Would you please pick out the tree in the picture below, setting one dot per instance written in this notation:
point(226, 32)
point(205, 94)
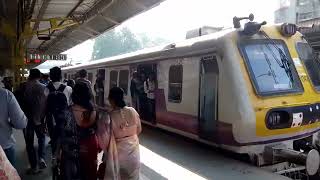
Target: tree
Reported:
point(115, 42)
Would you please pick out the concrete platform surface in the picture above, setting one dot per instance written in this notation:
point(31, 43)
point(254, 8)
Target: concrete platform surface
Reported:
point(168, 156)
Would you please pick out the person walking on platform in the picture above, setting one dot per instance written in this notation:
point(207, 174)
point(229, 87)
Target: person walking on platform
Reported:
point(118, 137)
point(11, 116)
point(71, 83)
point(35, 103)
point(56, 77)
point(83, 77)
point(58, 100)
point(78, 142)
point(45, 79)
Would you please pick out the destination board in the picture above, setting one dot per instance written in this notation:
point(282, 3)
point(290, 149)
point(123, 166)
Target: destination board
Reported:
point(45, 57)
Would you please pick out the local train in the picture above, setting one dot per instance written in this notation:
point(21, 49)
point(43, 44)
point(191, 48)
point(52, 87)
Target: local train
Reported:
point(252, 90)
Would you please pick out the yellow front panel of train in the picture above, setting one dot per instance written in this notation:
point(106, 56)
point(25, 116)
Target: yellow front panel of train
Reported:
point(263, 104)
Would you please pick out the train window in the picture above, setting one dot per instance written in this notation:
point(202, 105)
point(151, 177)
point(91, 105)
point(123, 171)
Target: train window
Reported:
point(123, 80)
point(175, 83)
point(270, 67)
point(311, 63)
point(113, 79)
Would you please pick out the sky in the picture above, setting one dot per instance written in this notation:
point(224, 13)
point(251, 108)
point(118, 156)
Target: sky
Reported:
point(173, 18)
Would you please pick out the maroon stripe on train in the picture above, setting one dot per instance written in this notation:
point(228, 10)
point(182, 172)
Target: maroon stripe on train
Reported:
point(183, 122)
point(189, 123)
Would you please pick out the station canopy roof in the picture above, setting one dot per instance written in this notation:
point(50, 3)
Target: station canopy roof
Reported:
point(95, 17)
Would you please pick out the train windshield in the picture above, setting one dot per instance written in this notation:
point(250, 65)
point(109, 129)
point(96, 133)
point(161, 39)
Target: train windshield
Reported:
point(311, 63)
point(271, 67)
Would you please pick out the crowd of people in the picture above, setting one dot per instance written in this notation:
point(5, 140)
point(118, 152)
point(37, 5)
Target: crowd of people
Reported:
point(78, 127)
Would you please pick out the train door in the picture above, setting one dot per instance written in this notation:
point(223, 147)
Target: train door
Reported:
point(119, 77)
point(208, 96)
point(147, 101)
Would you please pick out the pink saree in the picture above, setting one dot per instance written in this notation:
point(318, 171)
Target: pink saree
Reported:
point(121, 144)
point(7, 171)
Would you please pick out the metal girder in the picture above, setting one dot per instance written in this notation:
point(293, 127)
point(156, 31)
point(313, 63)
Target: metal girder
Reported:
point(85, 32)
point(55, 40)
point(92, 30)
point(108, 19)
point(40, 15)
point(86, 18)
point(55, 25)
point(99, 7)
point(73, 39)
point(68, 15)
point(29, 11)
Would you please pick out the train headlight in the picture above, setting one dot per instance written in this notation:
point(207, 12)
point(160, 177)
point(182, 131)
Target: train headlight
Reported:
point(278, 120)
point(288, 29)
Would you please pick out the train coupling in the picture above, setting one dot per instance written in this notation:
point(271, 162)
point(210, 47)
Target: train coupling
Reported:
point(310, 159)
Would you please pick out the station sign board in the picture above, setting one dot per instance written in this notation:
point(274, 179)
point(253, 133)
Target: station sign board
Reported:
point(39, 58)
point(45, 57)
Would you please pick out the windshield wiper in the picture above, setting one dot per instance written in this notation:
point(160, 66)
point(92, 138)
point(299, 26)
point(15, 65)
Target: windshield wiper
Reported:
point(269, 65)
point(285, 63)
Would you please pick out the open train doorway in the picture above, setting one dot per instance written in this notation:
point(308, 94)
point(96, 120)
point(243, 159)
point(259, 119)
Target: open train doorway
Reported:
point(144, 84)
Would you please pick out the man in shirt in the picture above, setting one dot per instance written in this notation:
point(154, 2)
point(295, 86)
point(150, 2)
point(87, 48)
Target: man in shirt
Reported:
point(11, 116)
point(56, 81)
point(56, 77)
point(34, 107)
point(83, 77)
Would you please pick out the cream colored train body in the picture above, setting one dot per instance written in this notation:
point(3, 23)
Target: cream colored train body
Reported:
point(248, 93)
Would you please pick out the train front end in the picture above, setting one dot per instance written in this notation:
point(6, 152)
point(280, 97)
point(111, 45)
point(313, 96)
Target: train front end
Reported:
point(283, 77)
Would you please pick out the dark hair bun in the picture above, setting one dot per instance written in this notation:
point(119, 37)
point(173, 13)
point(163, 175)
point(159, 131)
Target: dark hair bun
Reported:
point(116, 94)
point(81, 95)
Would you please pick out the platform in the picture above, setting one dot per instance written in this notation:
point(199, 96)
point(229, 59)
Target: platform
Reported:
point(168, 156)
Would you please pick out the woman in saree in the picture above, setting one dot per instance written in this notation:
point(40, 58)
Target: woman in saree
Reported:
point(118, 137)
point(79, 143)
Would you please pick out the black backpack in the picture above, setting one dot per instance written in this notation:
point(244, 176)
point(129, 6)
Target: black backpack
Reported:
point(57, 102)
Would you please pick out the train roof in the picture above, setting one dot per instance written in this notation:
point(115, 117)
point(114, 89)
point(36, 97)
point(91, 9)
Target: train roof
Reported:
point(198, 45)
point(190, 47)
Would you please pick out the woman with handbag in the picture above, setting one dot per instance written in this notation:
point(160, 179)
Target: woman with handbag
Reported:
point(118, 137)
